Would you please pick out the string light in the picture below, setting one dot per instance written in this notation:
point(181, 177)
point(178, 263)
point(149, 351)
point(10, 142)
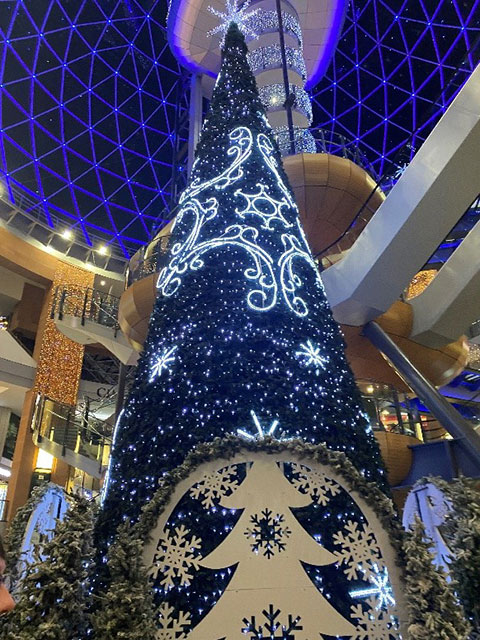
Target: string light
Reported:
point(59, 363)
point(273, 98)
point(234, 13)
point(271, 56)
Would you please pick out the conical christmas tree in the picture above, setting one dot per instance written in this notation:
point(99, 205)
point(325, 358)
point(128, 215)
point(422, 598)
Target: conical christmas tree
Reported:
point(241, 326)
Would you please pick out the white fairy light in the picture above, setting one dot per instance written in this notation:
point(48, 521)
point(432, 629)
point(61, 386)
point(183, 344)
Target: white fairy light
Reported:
point(381, 589)
point(311, 355)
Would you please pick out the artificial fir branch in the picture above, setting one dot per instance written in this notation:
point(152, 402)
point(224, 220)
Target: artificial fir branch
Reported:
point(434, 611)
point(16, 533)
point(126, 610)
point(462, 531)
point(54, 600)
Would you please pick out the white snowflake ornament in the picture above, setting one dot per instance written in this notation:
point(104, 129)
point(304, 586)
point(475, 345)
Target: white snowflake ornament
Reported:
point(359, 550)
point(315, 484)
point(176, 557)
point(215, 486)
point(172, 626)
point(310, 354)
point(234, 13)
point(162, 363)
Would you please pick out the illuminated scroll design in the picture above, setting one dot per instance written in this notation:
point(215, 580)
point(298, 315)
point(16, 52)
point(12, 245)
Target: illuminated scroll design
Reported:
point(169, 278)
point(289, 280)
point(262, 298)
point(263, 205)
point(241, 150)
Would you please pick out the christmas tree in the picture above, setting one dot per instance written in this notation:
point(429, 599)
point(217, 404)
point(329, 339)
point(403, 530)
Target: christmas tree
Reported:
point(126, 610)
point(434, 611)
point(54, 598)
point(269, 546)
point(241, 338)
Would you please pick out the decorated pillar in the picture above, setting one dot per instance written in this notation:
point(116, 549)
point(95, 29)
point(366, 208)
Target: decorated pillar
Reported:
point(59, 365)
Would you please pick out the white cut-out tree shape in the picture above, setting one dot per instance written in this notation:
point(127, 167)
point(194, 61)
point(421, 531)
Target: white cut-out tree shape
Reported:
point(277, 580)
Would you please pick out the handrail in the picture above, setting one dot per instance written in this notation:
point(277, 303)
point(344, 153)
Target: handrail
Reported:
point(144, 265)
point(89, 304)
point(446, 415)
point(78, 432)
point(18, 196)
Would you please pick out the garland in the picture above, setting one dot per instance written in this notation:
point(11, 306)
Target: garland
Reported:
point(231, 445)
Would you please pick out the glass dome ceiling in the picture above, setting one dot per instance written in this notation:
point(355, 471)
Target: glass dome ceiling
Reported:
point(92, 100)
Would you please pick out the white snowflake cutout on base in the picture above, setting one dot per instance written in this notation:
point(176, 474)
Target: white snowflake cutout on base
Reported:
point(315, 484)
point(177, 555)
point(215, 486)
point(360, 550)
point(173, 626)
point(374, 624)
point(268, 533)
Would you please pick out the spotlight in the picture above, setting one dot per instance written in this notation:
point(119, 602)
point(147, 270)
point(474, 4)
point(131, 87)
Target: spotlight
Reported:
point(102, 283)
point(67, 234)
point(102, 250)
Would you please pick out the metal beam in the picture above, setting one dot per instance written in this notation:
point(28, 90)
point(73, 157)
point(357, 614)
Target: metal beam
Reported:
point(443, 411)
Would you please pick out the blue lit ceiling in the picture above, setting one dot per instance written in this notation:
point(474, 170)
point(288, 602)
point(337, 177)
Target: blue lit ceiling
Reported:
point(88, 94)
point(89, 88)
point(394, 73)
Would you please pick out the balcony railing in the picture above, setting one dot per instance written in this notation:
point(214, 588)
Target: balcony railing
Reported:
point(89, 304)
point(68, 433)
point(150, 259)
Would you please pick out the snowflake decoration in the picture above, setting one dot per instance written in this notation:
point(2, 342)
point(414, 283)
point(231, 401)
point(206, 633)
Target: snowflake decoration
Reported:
point(234, 13)
point(176, 556)
point(172, 627)
point(215, 486)
point(314, 483)
point(381, 589)
point(373, 624)
point(310, 353)
point(400, 171)
point(272, 628)
point(162, 363)
point(268, 534)
point(260, 432)
point(360, 551)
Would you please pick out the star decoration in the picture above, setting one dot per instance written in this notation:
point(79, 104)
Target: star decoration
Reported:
point(162, 363)
point(260, 431)
point(380, 589)
point(234, 13)
point(311, 355)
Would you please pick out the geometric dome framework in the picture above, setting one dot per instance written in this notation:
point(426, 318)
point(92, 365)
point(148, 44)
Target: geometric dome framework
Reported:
point(88, 111)
point(91, 99)
point(394, 73)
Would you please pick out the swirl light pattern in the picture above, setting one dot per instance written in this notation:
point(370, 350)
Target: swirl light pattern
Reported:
point(270, 276)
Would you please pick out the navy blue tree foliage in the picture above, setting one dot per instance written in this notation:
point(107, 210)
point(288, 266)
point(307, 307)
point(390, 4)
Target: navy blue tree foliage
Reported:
point(241, 337)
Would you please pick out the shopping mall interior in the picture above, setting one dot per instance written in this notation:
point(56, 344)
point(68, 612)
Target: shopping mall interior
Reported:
point(375, 105)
